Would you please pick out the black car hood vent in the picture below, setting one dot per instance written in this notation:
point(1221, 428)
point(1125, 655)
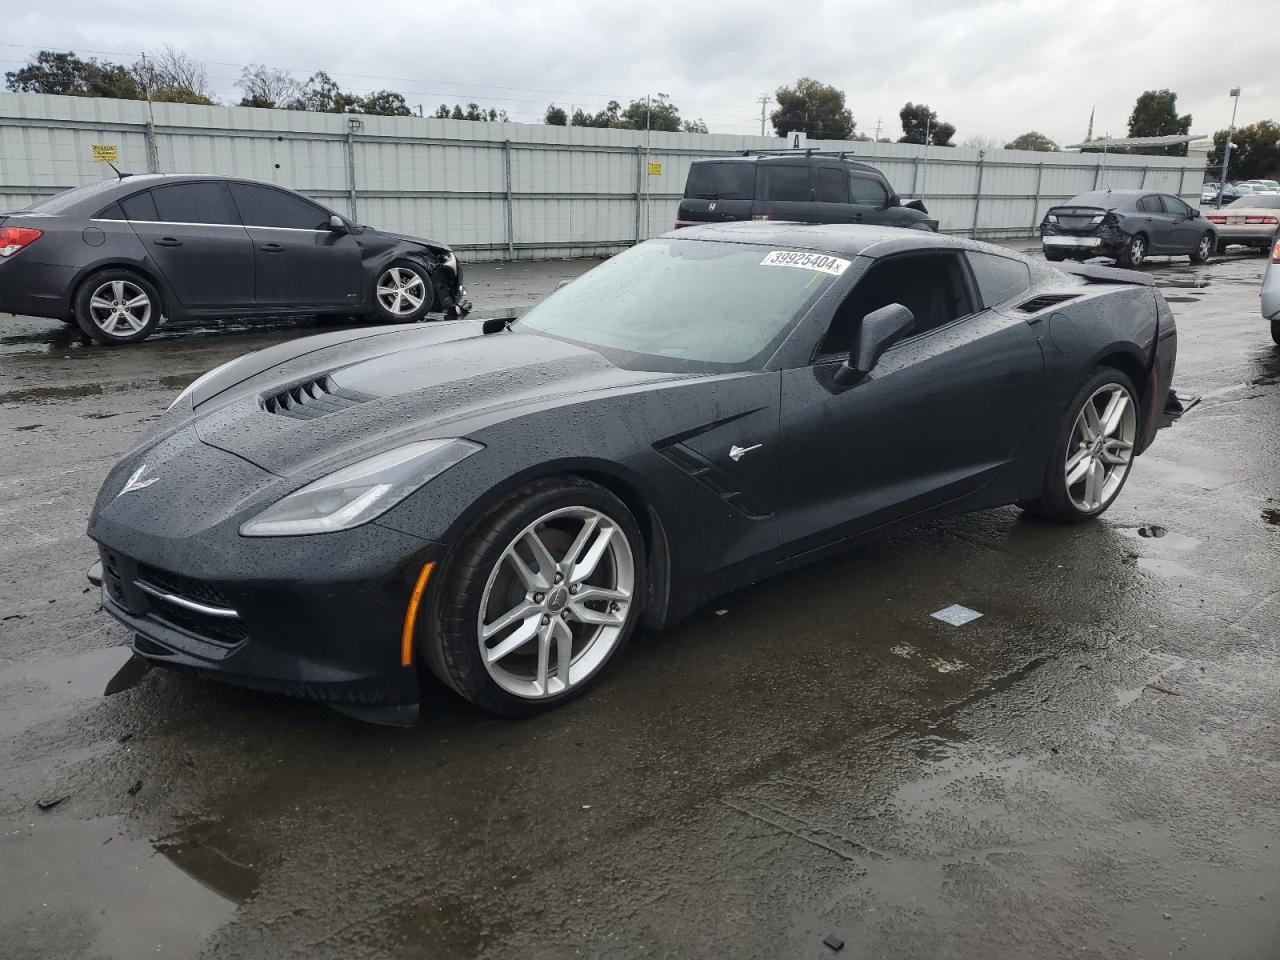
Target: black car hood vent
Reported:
point(1045, 301)
point(314, 398)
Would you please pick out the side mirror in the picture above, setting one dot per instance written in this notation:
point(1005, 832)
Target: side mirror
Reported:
point(881, 329)
point(337, 224)
point(894, 201)
point(1195, 214)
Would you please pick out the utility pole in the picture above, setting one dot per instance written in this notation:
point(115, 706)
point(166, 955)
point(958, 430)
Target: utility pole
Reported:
point(877, 137)
point(153, 155)
point(924, 176)
point(1226, 153)
point(764, 103)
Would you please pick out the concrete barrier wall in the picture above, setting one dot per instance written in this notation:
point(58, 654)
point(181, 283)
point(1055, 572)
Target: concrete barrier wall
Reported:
point(510, 190)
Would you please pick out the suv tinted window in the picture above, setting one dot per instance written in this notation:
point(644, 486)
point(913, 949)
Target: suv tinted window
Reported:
point(868, 190)
point(786, 182)
point(206, 202)
point(721, 181)
point(833, 185)
point(140, 206)
point(266, 207)
point(1175, 206)
point(999, 278)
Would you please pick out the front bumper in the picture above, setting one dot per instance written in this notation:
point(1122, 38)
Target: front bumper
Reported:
point(329, 632)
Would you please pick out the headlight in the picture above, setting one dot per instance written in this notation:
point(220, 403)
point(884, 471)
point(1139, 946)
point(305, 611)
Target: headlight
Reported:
point(203, 378)
point(358, 493)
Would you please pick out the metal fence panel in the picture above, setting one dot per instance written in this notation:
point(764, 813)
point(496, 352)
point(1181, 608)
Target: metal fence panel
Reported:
point(497, 190)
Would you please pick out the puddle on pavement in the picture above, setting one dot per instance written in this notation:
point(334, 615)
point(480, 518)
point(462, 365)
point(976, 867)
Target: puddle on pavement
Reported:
point(39, 395)
point(33, 693)
point(84, 888)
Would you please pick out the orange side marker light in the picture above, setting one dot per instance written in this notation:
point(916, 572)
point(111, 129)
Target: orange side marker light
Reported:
point(411, 614)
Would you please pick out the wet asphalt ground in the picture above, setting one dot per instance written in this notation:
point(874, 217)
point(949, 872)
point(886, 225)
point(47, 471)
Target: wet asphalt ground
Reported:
point(1091, 769)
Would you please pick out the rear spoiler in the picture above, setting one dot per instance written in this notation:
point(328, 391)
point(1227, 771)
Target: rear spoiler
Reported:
point(1093, 273)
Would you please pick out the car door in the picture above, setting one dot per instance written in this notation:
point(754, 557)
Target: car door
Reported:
point(300, 261)
point(870, 198)
point(938, 417)
point(1155, 222)
point(1184, 231)
point(193, 234)
point(831, 185)
point(784, 191)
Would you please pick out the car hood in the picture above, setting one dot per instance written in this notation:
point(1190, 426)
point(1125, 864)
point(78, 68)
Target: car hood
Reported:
point(405, 238)
point(338, 404)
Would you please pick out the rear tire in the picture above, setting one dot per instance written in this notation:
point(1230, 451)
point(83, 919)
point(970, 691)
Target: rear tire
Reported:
point(1085, 443)
point(1134, 252)
point(1204, 249)
point(1054, 256)
point(555, 594)
point(117, 306)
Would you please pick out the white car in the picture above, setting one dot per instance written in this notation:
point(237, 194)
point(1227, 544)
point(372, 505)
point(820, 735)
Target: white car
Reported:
point(1271, 292)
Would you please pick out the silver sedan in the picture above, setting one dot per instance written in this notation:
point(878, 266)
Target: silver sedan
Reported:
point(1271, 292)
point(1252, 221)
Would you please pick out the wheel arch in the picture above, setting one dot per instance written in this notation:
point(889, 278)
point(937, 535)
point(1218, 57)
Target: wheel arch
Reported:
point(151, 276)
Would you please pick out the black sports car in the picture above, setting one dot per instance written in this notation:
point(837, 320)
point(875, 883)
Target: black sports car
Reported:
point(502, 503)
point(116, 255)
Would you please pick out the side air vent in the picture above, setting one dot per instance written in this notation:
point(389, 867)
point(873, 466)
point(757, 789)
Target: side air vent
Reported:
point(315, 398)
point(1045, 301)
point(718, 481)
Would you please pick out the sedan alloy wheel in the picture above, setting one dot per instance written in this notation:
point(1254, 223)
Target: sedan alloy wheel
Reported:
point(401, 291)
point(120, 308)
point(1099, 459)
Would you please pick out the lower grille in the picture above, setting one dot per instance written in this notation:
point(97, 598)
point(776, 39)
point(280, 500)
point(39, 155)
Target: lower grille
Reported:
point(173, 600)
point(185, 587)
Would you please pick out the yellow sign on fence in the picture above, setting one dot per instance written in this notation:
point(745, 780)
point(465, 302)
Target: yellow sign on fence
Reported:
point(655, 169)
point(105, 153)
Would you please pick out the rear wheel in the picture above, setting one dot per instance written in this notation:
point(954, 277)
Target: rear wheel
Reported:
point(117, 306)
point(1204, 249)
point(1054, 256)
point(541, 594)
point(1134, 252)
point(1093, 450)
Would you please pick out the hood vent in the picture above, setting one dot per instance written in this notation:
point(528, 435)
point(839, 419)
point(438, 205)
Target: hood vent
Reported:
point(314, 398)
point(1045, 301)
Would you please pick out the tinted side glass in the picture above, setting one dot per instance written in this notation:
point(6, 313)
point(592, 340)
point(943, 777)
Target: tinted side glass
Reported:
point(721, 181)
point(140, 206)
point(1175, 206)
point(195, 203)
point(1150, 205)
point(112, 212)
point(999, 278)
point(868, 190)
point(265, 207)
point(787, 182)
point(833, 185)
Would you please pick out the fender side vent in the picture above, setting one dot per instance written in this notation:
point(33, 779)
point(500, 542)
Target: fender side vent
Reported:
point(314, 398)
point(718, 481)
point(1045, 301)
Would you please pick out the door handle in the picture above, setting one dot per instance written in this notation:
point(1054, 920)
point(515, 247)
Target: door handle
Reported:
point(168, 242)
point(270, 247)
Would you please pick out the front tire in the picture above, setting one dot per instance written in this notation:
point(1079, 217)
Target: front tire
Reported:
point(1093, 450)
point(402, 293)
point(540, 595)
point(1204, 249)
point(117, 306)
point(1134, 252)
point(1275, 331)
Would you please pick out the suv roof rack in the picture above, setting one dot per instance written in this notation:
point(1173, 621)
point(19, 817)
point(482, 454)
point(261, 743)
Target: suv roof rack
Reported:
point(806, 151)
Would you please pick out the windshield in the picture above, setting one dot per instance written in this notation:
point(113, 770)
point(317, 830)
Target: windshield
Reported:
point(63, 201)
point(687, 305)
point(1264, 200)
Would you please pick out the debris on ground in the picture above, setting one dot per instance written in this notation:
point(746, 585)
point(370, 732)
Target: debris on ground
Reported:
point(956, 615)
point(1152, 531)
point(1159, 689)
point(133, 791)
point(50, 804)
point(834, 942)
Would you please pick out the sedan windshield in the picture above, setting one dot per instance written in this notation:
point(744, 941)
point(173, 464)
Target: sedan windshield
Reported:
point(687, 305)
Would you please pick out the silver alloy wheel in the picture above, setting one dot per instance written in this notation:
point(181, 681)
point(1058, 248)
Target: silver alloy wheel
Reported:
point(1137, 251)
point(565, 582)
point(120, 308)
point(1206, 247)
point(1100, 450)
point(401, 291)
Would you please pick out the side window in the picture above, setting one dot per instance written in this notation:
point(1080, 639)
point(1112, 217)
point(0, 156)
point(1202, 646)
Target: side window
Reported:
point(112, 212)
point(833, 185)
point(203, 202)
point(787, 182)
point(867, 190)
point(1175, 206)
point(930, 285)
point(999, 278)
point(1150, 204)
point(267, 207)
point(140, 207)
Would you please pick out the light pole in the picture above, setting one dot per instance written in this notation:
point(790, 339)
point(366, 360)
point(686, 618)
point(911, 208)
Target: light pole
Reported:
point(1226, 153)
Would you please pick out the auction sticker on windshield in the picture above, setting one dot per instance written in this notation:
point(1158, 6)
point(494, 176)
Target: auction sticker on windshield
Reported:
point(807, 261)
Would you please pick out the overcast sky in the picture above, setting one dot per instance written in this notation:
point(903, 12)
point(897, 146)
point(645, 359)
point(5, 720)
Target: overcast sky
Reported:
point(994, 69)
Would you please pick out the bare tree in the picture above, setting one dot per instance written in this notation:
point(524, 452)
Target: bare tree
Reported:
point(980, 141)
point(171, 69)
point(265, 86)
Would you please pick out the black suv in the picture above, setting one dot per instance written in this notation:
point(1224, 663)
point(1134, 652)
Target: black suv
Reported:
point(806, 187)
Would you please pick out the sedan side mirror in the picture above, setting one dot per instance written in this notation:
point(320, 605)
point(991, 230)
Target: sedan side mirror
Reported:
point(337, 224)
point(1195, 214)
point(881, 329)
point(894, 200)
